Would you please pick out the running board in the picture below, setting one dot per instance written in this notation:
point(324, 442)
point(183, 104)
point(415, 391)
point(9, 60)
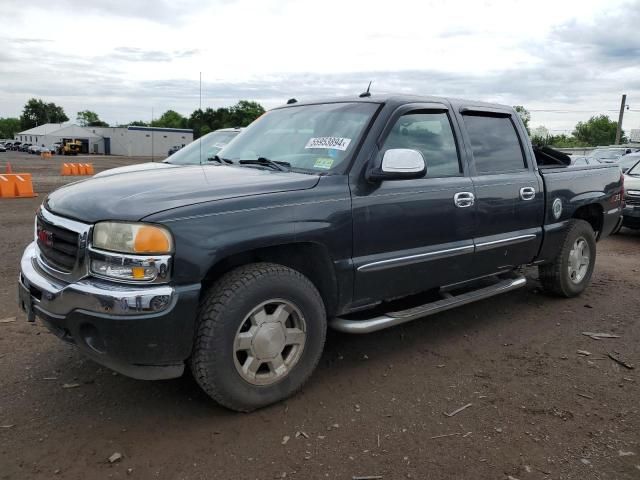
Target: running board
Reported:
point(392, 319)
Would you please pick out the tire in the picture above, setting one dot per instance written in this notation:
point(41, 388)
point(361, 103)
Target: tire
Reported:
point(562, 276)
point(227, 373)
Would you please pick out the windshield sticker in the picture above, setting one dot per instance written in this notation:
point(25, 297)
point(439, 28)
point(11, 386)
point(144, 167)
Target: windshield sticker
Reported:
point(323, 162)
point(220, 145)
point(337, 143)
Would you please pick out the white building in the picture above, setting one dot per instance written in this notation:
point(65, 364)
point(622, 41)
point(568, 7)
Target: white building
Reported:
point(634, 135)
point(127, 141)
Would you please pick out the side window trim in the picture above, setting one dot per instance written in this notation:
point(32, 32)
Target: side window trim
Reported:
point(435, 108)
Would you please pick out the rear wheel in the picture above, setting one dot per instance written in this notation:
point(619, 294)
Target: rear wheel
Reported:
point(261, 333)
point(570, 272)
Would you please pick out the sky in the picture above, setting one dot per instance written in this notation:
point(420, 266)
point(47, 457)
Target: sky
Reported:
point(563, 60)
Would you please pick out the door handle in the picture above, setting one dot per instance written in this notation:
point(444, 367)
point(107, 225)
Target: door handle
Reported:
point(464, 199)
point(527, 193)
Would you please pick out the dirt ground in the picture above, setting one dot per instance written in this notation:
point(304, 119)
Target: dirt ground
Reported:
point(540, 407)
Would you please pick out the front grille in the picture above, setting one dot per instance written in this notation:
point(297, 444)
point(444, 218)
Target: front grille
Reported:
point(632, 200)
point(58, 246)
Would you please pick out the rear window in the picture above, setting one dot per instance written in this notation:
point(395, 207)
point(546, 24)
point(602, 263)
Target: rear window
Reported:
point(494, 143)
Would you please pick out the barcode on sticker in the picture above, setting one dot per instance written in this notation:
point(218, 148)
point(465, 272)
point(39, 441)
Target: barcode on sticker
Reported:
point(337, 143)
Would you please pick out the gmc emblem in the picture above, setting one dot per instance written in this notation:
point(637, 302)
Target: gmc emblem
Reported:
point(45, 238)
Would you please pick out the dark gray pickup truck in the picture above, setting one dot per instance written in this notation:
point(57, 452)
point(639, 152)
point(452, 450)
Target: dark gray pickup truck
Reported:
point(359, 213)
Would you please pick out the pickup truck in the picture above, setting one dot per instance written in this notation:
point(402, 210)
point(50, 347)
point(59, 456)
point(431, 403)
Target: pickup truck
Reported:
point(355, 213)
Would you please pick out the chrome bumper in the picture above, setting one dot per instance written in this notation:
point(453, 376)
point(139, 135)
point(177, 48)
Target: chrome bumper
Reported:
point(56, 298)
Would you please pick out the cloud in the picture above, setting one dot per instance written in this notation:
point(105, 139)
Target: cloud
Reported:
point(133, 54)
point(161, 11)
point(610, 38)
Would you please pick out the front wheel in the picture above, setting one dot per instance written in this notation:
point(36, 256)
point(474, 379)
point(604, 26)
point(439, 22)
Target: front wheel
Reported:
point(261, 332)
point(570, 272)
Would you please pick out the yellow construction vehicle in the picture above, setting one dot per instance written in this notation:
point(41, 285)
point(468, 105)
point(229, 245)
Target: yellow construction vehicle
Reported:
point(71, 148)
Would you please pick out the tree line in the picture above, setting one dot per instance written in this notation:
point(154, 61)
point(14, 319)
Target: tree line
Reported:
point(598, 130)
point(37, 112)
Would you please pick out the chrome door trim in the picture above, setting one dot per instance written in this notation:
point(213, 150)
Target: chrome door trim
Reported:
point(411, 259)
point(464, 199)
point(480, 247)
point(527, 193)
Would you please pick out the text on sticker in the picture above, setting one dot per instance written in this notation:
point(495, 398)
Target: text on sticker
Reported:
point(337, 143)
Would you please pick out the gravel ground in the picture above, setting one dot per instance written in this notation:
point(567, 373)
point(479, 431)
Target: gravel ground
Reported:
point(545, 401)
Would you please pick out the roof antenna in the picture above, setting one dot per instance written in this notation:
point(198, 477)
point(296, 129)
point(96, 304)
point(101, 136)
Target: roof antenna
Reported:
point(367, 93)
point(291, 100)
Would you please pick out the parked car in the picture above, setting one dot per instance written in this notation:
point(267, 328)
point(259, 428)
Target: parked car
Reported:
point(200, 151)
point(2, 148)
point(15, 145)
point(609, 154)
point(35, 149)
point(631, 212)
point(629, 160)
point(24, 147)
point(318, 214)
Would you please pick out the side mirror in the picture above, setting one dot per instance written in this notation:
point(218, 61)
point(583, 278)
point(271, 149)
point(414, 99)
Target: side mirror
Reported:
point(400, 164)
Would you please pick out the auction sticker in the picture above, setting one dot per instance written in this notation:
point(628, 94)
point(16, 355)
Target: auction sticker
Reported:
point(323, 162)
point(337, 143)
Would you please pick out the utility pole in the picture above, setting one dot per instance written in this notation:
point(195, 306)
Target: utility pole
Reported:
point(619, 129)
point(151, 125)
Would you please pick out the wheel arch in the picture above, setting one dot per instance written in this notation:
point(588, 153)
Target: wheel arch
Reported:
point(592, 213)
point(309, 258)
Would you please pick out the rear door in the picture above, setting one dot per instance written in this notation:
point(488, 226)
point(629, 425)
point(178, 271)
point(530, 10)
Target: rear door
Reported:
point(509, 192)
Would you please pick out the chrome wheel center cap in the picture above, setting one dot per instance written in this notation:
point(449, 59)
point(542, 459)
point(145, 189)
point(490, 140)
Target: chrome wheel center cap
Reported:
point(269, 341)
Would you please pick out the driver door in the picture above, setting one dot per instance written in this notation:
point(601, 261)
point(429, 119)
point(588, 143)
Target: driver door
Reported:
point(411, 235)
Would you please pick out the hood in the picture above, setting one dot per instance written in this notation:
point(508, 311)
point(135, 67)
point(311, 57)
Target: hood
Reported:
point(135, 168)
point(138, 194)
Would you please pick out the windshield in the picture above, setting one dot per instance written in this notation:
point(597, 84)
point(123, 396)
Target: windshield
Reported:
point(606, 154)
point(203, 148)
point(636, 168)
point(311, 138)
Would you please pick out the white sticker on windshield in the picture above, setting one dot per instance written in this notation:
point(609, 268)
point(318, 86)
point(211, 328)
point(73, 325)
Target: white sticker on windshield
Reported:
point(337, 143)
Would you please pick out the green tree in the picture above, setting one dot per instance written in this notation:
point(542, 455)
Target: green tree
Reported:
point(524, 115)
point(36, 112)
point(598, 130)
point(239, 115)
point(170, 119)
point(244, 112)
point(9, 127)
point(136, 123)
point(87, 118)
point(564, 141)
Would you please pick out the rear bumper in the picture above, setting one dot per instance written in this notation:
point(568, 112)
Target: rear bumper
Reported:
point(143, 332)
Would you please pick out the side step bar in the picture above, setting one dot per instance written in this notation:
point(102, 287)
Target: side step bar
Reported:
point(392, 319)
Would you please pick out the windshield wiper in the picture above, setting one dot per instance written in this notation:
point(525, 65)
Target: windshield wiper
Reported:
point(220, 160)
point(275, 164)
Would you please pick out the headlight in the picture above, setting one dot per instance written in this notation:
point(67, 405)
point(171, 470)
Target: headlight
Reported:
point(132, 238)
